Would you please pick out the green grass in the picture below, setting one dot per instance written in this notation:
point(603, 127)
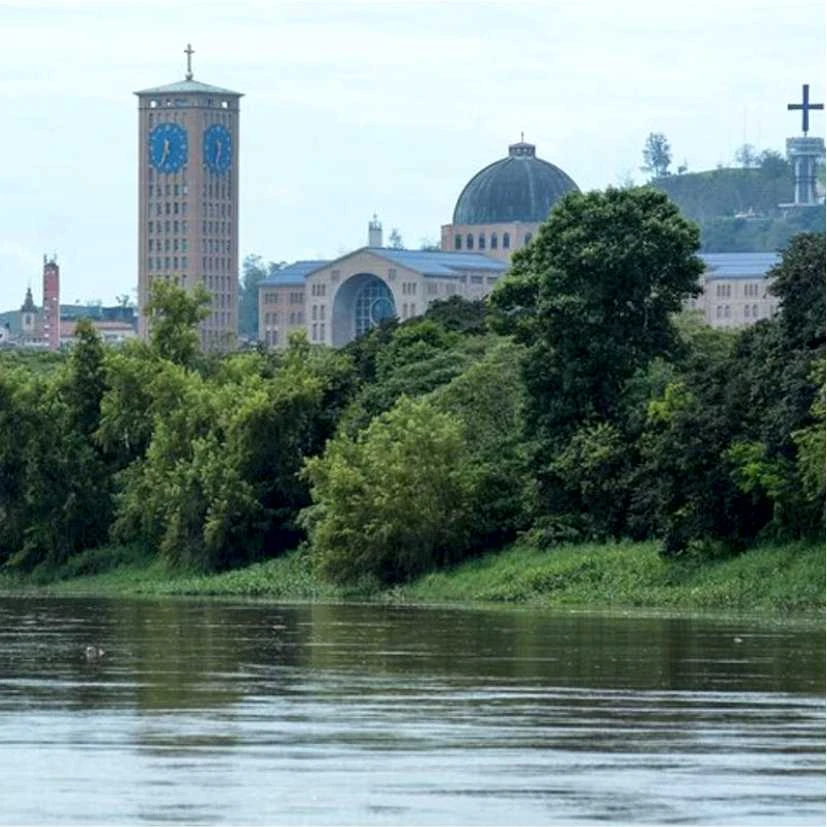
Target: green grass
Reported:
point(782, 578)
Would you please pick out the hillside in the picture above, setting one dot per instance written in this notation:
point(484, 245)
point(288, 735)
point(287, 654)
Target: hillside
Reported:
point(738, 209)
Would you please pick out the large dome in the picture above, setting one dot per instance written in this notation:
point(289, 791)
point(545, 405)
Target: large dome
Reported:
point(520, 187)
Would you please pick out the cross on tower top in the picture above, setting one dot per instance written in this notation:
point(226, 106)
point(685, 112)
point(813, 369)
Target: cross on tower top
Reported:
point(189, 52)
point(805, 106)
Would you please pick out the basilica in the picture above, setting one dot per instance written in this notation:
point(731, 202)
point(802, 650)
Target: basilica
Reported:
point(497, 213)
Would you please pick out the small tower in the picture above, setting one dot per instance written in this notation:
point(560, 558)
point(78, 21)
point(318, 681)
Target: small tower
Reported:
point(375, 232)
point(51, 302)
point(28, 317)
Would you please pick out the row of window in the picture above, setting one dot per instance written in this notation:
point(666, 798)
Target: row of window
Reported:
point(167, 226)
point(408, 310)
point(751, 311)
point(215, 245)
point(169, 245)
point(296, 297)
point(169, 208)
point(317, 312)
point(317, 332)
point(318, 289)
point(167, 190)
point(216, 282)
point(408, 288)
point(167, 263)
point(725, 291)
point(481, 241)
point(271, 298)
point(218, 264)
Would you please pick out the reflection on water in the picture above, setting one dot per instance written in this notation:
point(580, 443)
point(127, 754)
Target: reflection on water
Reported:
point(207, 712)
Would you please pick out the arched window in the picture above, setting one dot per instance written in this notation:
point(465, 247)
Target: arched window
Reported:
point(469, 241)
point(457, 242)
point(506, 241)
point(527, 237)
point(481, 244)
point(493, 241)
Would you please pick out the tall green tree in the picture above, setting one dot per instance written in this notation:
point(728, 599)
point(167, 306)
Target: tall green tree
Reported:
point(174, 314)
point(657, 155)
point(394, 501)
point(593, 298)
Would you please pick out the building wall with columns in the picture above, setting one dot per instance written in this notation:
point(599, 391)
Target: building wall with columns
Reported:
point(499, 241)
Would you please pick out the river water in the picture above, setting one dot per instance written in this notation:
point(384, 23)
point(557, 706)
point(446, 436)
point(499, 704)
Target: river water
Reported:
point(248, 713)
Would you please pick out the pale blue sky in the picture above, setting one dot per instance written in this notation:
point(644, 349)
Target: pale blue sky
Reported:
point(355, 108)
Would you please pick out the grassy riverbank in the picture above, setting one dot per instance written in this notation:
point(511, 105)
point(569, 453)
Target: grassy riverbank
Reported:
point(783, 578)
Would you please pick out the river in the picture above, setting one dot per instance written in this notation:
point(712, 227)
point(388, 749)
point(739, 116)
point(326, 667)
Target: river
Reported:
point(210, 712)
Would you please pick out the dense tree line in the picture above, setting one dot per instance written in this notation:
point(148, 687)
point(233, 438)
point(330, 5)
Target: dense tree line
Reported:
point(577, 403)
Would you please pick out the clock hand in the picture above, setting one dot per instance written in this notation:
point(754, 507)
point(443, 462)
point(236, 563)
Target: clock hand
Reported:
point(217, 152)
point(165, 152)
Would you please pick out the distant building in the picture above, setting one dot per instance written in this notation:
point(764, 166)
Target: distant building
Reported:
point(736, 289)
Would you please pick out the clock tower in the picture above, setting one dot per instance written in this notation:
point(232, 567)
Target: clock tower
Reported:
point(188, 198)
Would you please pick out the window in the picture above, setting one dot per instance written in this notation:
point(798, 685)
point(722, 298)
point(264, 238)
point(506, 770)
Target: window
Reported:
point(184, 264)
point(527, 238)
point(755, 311)
point(315, 334)
point(481, 244)
point(727, 311)
point(746, 311)
point(321, 314)
point(433, 289)
point(321, 331)
point(315, 313)
point(493, 241)
point(391, 273)
point(476, 279)
point(457, 242)
point(506, 241)
point(469, 241)
point(718, 312)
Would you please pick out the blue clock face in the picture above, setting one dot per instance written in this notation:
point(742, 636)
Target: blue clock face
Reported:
point(168, 147)
point(218, 149)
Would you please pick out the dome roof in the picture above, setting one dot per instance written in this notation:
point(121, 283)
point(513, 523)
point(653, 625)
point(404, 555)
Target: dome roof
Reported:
point(520, 187)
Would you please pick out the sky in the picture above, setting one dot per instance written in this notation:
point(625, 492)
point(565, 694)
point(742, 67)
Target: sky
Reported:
point(356, 108)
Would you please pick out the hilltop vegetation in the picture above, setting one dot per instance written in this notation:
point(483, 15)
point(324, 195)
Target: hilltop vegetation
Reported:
point(576, 405)
point(738, 209)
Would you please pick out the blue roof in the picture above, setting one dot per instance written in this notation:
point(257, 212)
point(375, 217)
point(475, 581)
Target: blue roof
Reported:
point(294, 273)
point(440, 262)
point(427, 262)
point(739, 265)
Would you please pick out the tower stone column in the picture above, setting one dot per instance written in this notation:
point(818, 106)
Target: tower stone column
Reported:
point(804, 155)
